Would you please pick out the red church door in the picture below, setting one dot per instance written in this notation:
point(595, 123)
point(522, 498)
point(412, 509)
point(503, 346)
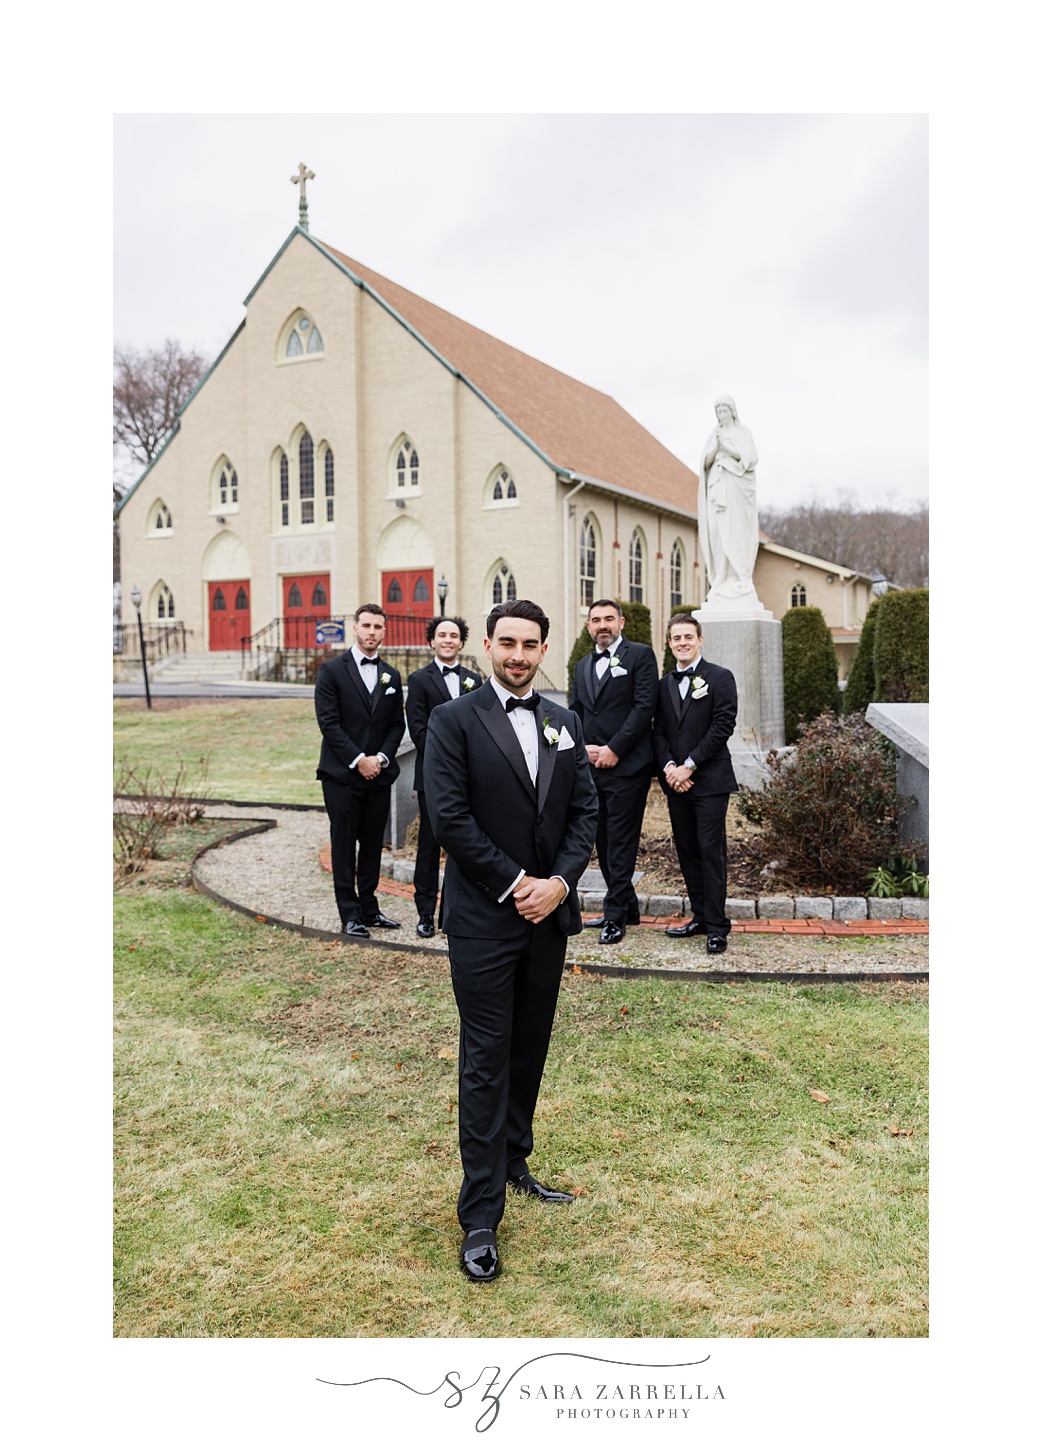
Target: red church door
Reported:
point(408, 598)
point(229, 613)
point(305, 600)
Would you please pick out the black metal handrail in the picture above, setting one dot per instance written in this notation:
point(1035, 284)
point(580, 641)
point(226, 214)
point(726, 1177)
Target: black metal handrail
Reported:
point(285, 648)
point(160, 640)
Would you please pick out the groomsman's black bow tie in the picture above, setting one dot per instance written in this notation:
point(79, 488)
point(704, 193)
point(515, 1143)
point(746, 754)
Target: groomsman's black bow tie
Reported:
point(532, 703)
point(450, 670)
point(684, 674)
point(369, 662)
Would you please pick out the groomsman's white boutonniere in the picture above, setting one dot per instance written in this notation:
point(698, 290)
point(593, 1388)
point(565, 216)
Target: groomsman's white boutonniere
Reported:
point(385, 679)
point(698, 688)
point(614, 663)
point(549, 733)
point(468, 684)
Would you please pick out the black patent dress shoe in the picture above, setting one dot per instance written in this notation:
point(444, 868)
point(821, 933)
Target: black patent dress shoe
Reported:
point(425, 927)
point(525, 1184)
point(354, 928)
point(611, 933)
point(479, 1256)
point(632, 920)
point(689, 929)
point(380, 921)
point(716, 943)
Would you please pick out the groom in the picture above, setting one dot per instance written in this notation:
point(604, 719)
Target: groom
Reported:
point(511, 800)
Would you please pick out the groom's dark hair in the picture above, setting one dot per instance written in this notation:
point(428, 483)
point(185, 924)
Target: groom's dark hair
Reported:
point(517, 610)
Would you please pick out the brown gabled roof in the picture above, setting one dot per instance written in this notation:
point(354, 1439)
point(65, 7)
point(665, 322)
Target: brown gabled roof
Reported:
point(576, 426)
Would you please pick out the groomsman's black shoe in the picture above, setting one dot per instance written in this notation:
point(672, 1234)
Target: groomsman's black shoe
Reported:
point(425, 927)
point(611, 933)
point(632, 920)
point(353, 928)
point(479, 1256)
point(689, 929)
point(525, 1184)
point(380, 921)
point(716, 943)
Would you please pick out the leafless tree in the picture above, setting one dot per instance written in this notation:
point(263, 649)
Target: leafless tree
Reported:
point(895, 541)
point(149, 388)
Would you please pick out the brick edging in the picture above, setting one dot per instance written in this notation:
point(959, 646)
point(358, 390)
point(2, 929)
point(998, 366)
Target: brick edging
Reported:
point(775, 909)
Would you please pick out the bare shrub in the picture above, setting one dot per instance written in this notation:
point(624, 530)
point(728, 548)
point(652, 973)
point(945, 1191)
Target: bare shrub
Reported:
point(828, 810)
point(146, 804)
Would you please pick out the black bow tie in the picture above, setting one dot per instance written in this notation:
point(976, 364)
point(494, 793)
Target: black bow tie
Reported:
point(532, 703)
point(450, 670)
point(684, 674)
point(369, 662)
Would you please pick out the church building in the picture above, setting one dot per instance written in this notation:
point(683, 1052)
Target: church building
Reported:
point(353, 443)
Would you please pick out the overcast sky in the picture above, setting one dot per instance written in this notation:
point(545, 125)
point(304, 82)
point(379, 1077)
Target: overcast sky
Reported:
point(662, 259)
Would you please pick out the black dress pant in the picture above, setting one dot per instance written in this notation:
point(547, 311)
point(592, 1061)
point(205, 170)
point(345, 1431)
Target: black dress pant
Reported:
point(357, 823)
point(428, 864)
point(507, 996)
point(621, 800)
point(699, 830)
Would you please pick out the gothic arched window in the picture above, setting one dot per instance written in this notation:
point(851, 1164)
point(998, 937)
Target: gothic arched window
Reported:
point(799, 595)
point(637, 567)
point(329, 486)
point(587, 563)
point(304, 337)
point(676, 575)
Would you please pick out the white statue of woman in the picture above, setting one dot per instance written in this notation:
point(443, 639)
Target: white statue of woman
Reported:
point(727, 508)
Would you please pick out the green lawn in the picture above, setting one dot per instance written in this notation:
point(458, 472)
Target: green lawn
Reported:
point(286, 1159)
point(258, 750)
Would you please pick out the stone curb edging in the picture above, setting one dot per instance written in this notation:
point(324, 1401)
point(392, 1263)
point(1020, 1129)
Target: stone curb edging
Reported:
point(838, 909)
point(586, 969)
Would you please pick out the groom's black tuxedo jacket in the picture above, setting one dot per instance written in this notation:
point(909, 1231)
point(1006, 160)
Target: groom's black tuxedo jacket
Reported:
point(699, 728)
point(617, 710)
point(354, 723)
point(494, 823)
point(427, 689)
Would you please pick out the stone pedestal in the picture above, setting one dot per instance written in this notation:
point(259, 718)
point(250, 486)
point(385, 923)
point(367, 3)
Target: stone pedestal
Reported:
point(908, 725)
point(751, 648)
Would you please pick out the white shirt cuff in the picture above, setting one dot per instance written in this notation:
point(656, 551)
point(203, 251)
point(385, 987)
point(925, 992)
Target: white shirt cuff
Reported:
point(509, 889)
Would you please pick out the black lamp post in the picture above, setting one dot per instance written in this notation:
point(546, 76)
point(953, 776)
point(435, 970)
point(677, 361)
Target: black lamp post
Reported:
point(443, 593)
point(135, 596)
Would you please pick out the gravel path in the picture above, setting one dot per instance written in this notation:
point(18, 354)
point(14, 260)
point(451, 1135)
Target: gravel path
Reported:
point(277, 874)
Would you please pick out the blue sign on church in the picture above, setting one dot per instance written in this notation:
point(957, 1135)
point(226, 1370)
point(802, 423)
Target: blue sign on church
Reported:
point(329, 632)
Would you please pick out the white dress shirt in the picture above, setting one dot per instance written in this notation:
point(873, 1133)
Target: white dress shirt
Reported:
point(369, 678)
point(451, 681)
point(603, 656)
point(527, 729)
point(684, 686)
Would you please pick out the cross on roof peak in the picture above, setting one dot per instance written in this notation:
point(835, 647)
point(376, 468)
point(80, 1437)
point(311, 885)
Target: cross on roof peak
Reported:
point(300, 178)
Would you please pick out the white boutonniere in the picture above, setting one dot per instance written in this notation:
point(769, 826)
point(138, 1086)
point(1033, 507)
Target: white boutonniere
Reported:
point(385, 679)
point(614, 662)
point(549, 733)
point(698, 688)
point(468, 684)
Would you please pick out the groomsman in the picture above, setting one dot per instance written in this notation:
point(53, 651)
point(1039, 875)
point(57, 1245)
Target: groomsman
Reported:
point(358, 702)
point(613, 694)
point(695, 718)
point(512, 803)
point(442, 680)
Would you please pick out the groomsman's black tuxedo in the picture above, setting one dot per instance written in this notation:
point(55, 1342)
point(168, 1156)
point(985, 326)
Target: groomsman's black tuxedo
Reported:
point(616, 711)
point(699, 729)
point(427, 688)
point(506, 972)
point(356, 723)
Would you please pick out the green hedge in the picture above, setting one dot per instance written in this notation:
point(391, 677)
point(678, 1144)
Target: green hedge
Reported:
point(861, 680)
point(809, 667)
point(893, 656)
